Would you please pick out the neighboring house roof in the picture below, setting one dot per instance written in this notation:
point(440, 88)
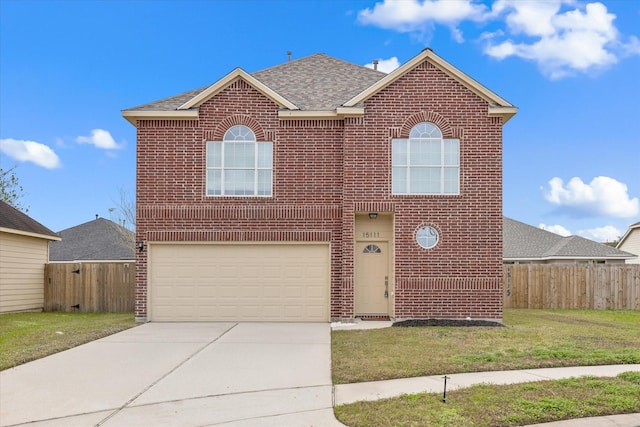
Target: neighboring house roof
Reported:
point(316, 86)
point(16, 222)
point(632, 227)
point(97, 240)
point(525, 242)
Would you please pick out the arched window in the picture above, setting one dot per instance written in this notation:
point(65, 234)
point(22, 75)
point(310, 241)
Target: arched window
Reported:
point(426, 163)
point(371, 249)
point(239, 133)
point(239, 165)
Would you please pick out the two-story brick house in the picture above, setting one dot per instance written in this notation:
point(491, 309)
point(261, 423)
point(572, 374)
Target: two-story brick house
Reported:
point(319, 189)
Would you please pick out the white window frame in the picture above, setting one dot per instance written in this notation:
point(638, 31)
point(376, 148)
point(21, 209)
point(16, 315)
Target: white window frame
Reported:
point(238, 134)
point(425, 131)
point(427, 237)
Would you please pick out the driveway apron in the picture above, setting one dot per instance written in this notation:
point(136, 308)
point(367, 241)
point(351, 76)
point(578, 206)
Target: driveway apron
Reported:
point(182, 374)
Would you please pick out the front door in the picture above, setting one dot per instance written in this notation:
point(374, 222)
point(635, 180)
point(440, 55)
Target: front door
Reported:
point(372, 279)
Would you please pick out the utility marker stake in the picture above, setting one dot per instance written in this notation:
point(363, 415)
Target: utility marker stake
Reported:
point(444, 395)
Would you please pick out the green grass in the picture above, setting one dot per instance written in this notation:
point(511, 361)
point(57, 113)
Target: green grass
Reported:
point(29, 336)
point(530, 339)
point(509, 405)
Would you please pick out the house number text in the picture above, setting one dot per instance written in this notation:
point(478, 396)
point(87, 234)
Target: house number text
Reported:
point(370, 234)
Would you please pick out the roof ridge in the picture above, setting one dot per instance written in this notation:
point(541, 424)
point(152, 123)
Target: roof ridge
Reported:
point(321, 54)
point(88, 223)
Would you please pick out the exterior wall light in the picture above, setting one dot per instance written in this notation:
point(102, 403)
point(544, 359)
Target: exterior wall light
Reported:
point(140, 245)
point(373, 215)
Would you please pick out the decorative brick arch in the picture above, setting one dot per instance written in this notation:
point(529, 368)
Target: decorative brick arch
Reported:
point(427, 116)
point(218, 133)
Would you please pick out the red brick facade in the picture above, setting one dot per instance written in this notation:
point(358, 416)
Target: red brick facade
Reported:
point(326, 171)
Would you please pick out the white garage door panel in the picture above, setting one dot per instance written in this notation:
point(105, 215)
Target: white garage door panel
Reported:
point(238, 282)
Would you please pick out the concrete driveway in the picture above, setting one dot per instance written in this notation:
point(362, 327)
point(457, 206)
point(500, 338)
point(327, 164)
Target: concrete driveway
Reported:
point(180, 374)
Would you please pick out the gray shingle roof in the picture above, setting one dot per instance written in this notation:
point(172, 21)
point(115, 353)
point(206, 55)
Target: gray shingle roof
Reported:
point(318, 82)
point(95, 240)
point(13, 219)
point(314, 83)
point(523, 241)
point(169, 104)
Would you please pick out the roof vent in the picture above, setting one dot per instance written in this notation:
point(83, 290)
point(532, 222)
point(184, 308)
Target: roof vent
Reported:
point(289, 56)
point(375, 64)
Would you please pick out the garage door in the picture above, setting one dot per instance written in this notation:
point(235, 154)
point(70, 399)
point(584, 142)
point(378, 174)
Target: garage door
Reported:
point(239, 282)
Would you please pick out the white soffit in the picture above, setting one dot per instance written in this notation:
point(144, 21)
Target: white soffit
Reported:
point(29, 234)
point(132, 115)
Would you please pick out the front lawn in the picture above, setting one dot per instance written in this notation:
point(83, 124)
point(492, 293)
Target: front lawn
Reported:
point(506, 405)
point(29, 336)
point(530, 339)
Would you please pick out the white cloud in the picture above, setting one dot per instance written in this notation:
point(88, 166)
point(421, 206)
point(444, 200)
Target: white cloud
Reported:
point(563, 37)
point(608, 233)
point(564, 43)
point(386, 65)
point(420, 15)
point(30, 151)
point(603, 196)
point(527, 17)
point(632, 47)
point(557, 229)
point(100, 138)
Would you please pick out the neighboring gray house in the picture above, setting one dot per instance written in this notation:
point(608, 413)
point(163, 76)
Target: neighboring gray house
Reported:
point(630, 242)
point(24, 250)
point(525, 244)
point(97, 240)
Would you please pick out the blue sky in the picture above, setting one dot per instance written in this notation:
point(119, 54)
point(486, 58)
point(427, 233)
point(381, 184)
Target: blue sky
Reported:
point(571, 154)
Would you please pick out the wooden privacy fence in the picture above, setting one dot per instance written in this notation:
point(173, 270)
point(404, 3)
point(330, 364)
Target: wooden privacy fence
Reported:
point(90, 286)
point(586, 287)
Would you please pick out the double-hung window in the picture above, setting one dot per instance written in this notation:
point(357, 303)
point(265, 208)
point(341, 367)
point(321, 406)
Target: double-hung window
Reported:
point(425, 163)
point(239, 165)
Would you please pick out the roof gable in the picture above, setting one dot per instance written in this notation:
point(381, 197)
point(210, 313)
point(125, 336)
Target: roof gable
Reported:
point(497, 105)
point(15, 222)
point(224, 82)
point(99, 239)
point(628, 233)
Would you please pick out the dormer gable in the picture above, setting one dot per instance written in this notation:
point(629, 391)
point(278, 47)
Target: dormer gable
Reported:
point(232, 77)
point(498, 107)
point(186, 106)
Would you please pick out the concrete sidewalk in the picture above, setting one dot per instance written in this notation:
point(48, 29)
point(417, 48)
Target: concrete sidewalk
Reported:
point(349, 393)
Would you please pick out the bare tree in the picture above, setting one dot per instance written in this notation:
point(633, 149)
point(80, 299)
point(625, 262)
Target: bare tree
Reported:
point(124, 212)
point(10, 189)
